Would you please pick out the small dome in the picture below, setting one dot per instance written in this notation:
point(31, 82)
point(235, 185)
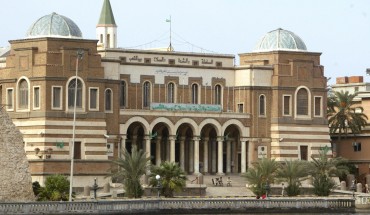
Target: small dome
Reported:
point(280, 39)
point(54, 25)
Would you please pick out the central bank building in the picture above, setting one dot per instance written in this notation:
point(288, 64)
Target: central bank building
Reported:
point(200, 110)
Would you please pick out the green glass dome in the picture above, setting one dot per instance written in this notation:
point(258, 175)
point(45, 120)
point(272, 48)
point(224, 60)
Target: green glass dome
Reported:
point(280, 39)
point(54, 25)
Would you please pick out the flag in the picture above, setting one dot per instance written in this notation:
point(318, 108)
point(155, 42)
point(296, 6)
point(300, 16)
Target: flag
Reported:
point(168, 20)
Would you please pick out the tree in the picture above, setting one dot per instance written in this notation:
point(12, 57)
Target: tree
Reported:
point(173, 178)
point(262, 172)
point(293, 172)
point(323, 169)
point(344, 115)
point(131, 168)
point(56, 189)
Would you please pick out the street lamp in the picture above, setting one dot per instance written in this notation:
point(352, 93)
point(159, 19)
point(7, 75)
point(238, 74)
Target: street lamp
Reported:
point(95, 188)
point(159, 185)
point(353, 188)
point(79, 56)
point(267, 188)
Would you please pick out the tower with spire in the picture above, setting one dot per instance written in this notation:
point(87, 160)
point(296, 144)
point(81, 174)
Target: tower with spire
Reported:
point(106, 29)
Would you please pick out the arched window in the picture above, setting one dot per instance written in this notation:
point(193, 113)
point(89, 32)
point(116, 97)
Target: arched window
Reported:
point(146, 94)
point(194, 93)
point(262, 105)
point(302, 102)
point(122, 99)
point(23, 94)
point(171, 93)
point(71, 94)
point(218, 95)
point(108, 100)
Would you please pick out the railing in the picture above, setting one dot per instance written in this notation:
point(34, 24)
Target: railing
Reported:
point(149, 206)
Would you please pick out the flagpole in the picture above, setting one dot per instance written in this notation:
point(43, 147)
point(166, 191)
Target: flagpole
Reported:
point(170, 48)
point(79, 56)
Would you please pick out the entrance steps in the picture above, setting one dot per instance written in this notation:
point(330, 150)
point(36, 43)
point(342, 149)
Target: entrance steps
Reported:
point(237, 189)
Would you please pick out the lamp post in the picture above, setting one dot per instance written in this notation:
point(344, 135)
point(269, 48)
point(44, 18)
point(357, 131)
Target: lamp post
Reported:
point(159, 186)
point(95, 188)
point(353, 188)
point(267, 188)
point(79, 56)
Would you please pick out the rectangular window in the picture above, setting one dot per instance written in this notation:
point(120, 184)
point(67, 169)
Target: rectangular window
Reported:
point(77, 150)
point(9, 99)
point(356, 146)
point(171, 61)
point(304, 152)
point(36, 97)
point(286, 105)
point(262, 105)
point(240, 108)
point(318, 105)
point(93, 99)
point(147, 60)
point(56, 97)
point(195, 63)
point(108, 41)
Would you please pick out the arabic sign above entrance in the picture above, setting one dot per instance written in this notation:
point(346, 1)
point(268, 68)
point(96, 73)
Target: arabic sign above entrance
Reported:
point(185, 107)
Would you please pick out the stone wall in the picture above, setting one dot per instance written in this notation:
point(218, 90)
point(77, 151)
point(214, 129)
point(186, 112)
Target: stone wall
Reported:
point(15, 178)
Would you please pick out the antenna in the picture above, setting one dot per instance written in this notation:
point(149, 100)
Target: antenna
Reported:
point(170, 48)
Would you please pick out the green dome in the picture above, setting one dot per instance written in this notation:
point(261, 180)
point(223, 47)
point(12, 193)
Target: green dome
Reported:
point(54, 25)
point(280, 39)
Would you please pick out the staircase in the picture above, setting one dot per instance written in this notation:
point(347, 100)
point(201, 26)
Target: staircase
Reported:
point(237, 189)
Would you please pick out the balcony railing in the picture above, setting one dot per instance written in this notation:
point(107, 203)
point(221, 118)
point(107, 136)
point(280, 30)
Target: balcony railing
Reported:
point(151, 206)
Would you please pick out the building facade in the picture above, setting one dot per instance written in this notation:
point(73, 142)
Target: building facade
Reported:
point(200, 110)
point(355, 147)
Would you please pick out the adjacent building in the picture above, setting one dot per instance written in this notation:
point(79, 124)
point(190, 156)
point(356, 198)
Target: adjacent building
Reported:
point(355, 147)
point(200, 110)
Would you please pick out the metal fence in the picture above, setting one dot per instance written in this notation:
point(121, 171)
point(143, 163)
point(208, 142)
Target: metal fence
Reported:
point(177, 205)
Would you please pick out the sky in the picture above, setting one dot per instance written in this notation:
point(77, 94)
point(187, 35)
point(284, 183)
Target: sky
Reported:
point(339, 29)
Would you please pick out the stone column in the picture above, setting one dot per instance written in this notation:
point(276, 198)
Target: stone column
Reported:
point(172, 148)
point(167, 145)
point(244, 156)
point(134, 141)
point(250, 153)
point(196, 155)
point(122, 146)
point(220, 155)
point(182, 153)
point(147, 146)
point(191, 156)
point(228, 156)
point(158, 151)
point(205, 155)
point(213, 155)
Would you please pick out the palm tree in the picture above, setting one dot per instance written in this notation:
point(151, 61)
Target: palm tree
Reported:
point(344, 115)
point(262, 173)
point(173, 178)
point(293, 172)
point(322, 169)
point(131, 168)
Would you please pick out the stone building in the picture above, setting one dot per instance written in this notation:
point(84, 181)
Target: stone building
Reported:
point(200, 110)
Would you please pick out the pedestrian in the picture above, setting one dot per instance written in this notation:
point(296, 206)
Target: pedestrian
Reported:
point(282, 189)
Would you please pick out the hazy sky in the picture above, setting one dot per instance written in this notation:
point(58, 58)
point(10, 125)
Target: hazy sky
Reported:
point(339, 29)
